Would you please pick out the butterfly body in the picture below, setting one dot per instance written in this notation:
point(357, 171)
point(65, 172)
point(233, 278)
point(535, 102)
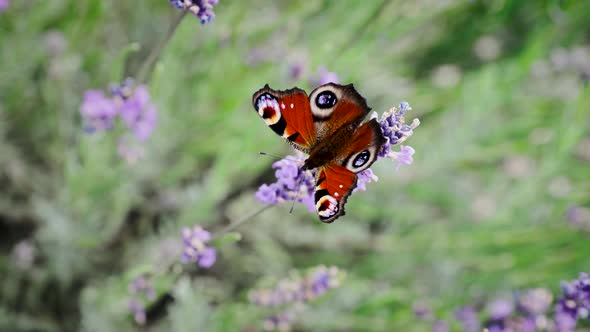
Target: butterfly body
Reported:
point(328, 126)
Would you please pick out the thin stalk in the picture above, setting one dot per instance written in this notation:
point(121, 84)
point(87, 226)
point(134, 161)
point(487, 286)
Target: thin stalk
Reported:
point(148, 65)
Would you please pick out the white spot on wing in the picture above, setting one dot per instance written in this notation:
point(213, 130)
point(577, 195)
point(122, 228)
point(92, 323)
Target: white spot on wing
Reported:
point(340, 186)
point(291, 105)
point(336, 194)
point(283, 105)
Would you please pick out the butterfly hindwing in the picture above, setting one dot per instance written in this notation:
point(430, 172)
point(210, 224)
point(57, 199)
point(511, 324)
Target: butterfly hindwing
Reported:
point(288, 114)
point(364, 145)
point(334, 183)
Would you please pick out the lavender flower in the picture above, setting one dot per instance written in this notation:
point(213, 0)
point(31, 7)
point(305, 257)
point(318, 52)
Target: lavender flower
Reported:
point(202, 9)
point(440, 326)
point(500, 309)
point(139, 114)
point(574, 303)
point(4, 5)
point(315, 283)
point(364, 177)
point(327, 77)
point(468, 318)
point(281, 321)
point(396, 131)
point(324, 76)
point(195, 248)
point(98, 112)
point(292, 184)
point(535, 302)
point(141, 291)
point(132, 104)
point(137, 311)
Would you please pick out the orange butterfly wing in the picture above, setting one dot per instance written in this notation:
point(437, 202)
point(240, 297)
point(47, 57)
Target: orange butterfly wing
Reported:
point(288, 114)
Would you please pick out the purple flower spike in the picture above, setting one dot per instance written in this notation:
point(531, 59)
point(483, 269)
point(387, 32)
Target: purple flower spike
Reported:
point(139, 114)
point(98, 112)
point(364, 177)
point(395, 130)
point(195, 248)
point(292, 183)
point(202, 9)
point(328, 77)
point(440, 326)
point(4, 5)
point(468, 318)
point(315, 283)
point(500, 309)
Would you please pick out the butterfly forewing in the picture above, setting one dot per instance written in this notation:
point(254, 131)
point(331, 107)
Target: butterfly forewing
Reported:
point(288, 114)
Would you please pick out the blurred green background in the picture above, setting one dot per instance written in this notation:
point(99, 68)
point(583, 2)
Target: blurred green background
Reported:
point(502, 154)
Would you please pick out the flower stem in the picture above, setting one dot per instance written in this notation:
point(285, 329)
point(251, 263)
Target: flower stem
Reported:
point(147, 66)
point(239, 222)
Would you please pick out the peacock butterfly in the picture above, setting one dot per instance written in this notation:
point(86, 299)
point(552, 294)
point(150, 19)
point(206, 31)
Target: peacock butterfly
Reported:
point(328, 126)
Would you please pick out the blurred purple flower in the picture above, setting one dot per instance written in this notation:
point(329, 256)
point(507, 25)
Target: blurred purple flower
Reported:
point(132, 103)
point(98, 112)
point(141, 286)
point(574, 304)
point(203, 9)
point(323, 76)
point(130, 151)
point(468, 318)
point(422, 311)
point(139, 114)
point(440, 326)
point(4, 5)
point(137, 311)
point(535, 301)
point(281, 321)
point(327, 77)
point(579, 217)
point(500, 309)
point(140, 291)
point(195, 248)
point(296, 70)
point(315, 283)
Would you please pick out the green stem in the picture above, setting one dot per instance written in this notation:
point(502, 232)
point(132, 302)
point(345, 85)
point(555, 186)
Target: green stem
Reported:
point(239, 222)
point(148, 65)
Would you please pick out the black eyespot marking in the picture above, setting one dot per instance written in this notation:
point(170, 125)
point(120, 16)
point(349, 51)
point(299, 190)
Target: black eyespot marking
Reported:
point(361, 159)
point(326, 99)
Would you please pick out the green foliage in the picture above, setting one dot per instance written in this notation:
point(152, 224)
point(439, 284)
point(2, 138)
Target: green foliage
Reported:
point(480, 212)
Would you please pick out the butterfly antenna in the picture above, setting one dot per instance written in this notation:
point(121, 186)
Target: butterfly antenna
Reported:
point(270, 155)
point(280, 158)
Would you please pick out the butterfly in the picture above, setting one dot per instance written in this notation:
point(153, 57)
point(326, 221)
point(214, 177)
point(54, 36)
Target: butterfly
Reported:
point(328, 126)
